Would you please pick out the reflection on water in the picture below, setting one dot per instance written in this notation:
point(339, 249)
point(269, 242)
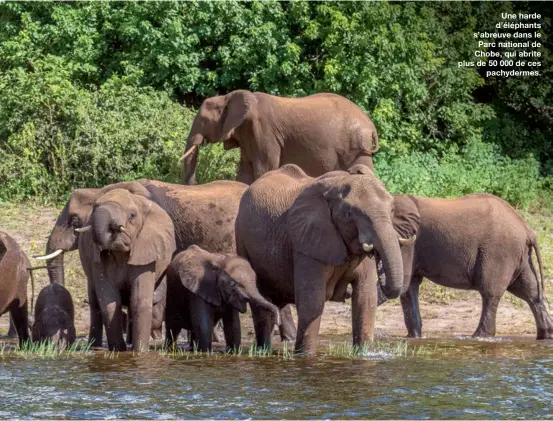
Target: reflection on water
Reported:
point(457, 378)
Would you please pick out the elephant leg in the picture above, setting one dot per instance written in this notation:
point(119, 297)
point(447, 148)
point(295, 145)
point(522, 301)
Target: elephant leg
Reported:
point(410, 306)
point(20, 316)
point(263, 325)
point(127, 325)
point(12, 332)
point(486, 327)
point(202, 324)
point(232, 329)
point(110, 304)
point(245, 171)
point(96, 328)
point(310, 279)
point(142, 293)
point(526, 287)
point(364, 160)
point(287, 326)
point(364, 302)
point(218, 332)
point(157, 321)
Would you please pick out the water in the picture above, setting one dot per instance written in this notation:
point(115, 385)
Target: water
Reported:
point(455, 378)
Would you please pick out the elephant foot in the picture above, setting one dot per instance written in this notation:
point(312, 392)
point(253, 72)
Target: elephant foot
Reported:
point(482, 333)
point(544, 334)
point(414, 335)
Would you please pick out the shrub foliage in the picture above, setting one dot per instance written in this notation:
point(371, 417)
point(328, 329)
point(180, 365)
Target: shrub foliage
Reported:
point(96, 92)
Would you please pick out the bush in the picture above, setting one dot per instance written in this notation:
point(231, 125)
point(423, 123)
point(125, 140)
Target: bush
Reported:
point(63, 137)
point(479, 167)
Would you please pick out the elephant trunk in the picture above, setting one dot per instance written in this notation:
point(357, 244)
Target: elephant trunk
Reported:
point(191, 158)
point(102, 222)
point(257, 299)
point(62, 239)
point(389, 252)
point(55, 266)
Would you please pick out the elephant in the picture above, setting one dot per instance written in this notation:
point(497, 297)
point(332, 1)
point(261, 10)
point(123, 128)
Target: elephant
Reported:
point(126, 251)
point(319, 133)
point(308, 238)
point(203, 288)
point(474, 242)
point(202, 215)
point(54, 316)
point(14, 276)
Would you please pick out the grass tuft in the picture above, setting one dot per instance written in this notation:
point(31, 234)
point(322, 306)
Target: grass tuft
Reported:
point(45, 349)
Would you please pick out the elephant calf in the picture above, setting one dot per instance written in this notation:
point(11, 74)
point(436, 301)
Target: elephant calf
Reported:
point(54, 316)
point(203, 288)
point(14, 275)
point(476, 242)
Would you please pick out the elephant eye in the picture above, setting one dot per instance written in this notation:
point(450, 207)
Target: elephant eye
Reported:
point(348, 214)
point(132, 215)
point(75, 221)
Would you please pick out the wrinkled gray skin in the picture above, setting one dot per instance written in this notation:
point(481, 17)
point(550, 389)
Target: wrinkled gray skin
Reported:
point(305, 239)
point(126, 254)
point(475, 242)
point(54, 316)
point(205, 287)
point(202, 215)
point(14, 277)
point(319, 133)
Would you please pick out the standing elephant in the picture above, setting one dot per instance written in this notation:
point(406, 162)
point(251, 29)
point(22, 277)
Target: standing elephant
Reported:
point(202, 215)
point(14, 276)
point(475, 242)
point(126, 252)
point(319, 133)
point(308, 238)
point(54, 316)
point(205, 287)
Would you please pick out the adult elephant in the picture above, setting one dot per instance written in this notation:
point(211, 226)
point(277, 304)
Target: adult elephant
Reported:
point(475, 242)
point(308, 238)
point(319, 133)
point(128, 249)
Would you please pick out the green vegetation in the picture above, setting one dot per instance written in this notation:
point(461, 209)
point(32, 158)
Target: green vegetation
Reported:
point(97, 92)
point(45, 349)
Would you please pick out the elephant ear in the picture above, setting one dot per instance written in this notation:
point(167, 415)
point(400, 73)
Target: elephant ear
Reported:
point(197, 271)
point(360, 169)
point(156, 239)
point(311, 229)
point(235, 112)
point(406, 218)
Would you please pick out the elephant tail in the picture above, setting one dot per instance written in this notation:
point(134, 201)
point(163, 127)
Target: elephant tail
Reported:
point(31, 270)
point(541, 286)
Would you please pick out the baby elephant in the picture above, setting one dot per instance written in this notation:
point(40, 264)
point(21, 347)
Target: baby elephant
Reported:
point(54, 316)
point(203, 288)
point(14, 275)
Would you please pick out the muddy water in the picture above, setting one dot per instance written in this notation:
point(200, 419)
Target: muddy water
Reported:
point(457, 378)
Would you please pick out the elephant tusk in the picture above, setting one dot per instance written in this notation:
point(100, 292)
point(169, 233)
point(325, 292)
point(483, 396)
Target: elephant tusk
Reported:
point(184, 155)
point(49, 256)
point(407, 241)
point(122, 229)
point(83, 229)
point(367, 247)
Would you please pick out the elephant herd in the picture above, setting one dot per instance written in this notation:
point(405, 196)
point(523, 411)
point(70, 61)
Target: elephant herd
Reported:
point(306, 222)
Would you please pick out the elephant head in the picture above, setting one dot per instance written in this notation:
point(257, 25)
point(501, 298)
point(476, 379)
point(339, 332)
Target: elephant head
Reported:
point(216, 121)
point(74, 216)
point(128, 223)
point(221, 279)
point(345, 215)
